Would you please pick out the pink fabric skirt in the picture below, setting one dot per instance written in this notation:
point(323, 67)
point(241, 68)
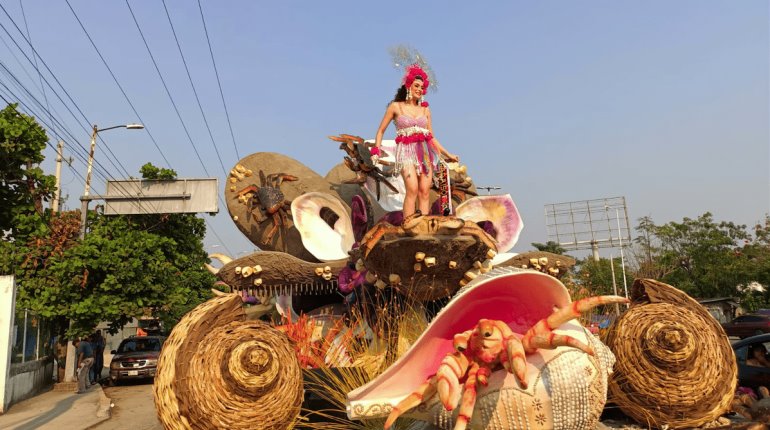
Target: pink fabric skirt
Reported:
point(420, 154)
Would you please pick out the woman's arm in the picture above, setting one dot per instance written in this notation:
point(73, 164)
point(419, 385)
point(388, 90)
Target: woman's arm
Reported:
point(436, 144)
point(390, 113)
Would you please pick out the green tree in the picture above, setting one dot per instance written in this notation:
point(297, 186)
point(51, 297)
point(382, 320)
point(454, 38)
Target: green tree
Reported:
point(126, 267)
point(549, 246)
point(597, 276)
point(23, 185)
point(700, 256)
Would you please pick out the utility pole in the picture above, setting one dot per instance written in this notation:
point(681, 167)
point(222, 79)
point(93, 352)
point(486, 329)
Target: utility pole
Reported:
point(85, 199)
point(71, 361)
point(57, 194)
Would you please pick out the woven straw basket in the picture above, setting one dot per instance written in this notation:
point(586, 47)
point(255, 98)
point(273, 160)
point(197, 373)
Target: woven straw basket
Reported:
point(675, 366)
point(219, 371)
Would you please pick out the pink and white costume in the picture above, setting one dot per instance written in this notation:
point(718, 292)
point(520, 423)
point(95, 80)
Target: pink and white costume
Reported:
point(414, 144)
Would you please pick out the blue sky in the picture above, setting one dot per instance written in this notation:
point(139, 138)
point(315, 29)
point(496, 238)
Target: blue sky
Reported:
point(665, 103)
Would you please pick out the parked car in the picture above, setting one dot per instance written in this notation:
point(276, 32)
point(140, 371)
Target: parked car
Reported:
point(136, 358)
point(751, 376)
point(748, 325)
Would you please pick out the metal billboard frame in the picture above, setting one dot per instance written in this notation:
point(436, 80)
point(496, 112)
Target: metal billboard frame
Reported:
point(144, 196)
point(589, 224)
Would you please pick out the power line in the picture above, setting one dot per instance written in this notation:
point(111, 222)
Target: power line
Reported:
point(218, 238)
point(51, 126)
point(195, 92)
point(176, 109)
point(98, 168)
point(26, 26)
point(53, 76)
point(219, 82)
point(171, 98)
point(24, 69)
point(56, 79)
point(118, 84)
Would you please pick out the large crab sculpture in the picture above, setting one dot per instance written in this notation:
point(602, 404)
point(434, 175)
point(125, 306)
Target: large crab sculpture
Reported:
point(359, 160)
point(268, 198)
point(492, 344)
point(446, 250)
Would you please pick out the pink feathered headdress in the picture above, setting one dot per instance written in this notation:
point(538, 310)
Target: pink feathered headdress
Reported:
point(412, 72)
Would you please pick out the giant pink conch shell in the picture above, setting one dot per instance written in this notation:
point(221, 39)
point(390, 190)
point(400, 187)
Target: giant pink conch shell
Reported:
point(500, 211)
point(323, 224)
point(567, 387)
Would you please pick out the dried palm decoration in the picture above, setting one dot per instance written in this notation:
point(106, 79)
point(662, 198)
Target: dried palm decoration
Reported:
point(675, 367)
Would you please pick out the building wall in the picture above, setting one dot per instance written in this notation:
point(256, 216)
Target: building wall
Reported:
point(28, 379)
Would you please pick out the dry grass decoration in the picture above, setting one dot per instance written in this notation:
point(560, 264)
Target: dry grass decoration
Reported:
point(675, 367)
point(346, 356)
point(219, 370)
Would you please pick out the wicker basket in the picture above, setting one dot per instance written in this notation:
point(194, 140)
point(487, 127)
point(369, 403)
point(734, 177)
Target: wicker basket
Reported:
point(675, 366)
point(220, 371)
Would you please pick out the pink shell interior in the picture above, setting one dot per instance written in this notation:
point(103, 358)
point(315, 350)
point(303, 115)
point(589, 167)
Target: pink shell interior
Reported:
point(501, 211)
point(519, 298)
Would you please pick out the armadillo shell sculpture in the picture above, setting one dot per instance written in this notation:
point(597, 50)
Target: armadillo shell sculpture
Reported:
point(259, 192)
point(218, 370)
point(567, 388)
point(675, 367)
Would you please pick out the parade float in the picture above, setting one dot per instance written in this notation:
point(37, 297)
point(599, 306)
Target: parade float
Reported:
point(498, 344)
point(353, 316)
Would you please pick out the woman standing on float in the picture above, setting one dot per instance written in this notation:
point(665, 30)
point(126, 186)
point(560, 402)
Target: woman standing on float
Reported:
point(417, 153)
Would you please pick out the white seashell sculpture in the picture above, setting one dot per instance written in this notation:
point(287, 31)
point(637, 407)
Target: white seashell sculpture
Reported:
point(323, 224)
point(500, 211)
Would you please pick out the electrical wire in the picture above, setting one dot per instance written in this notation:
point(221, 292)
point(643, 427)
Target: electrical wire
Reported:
point(219, 82)
point(53, 76)
point(26, 26)
point(97, 166)
point(168, 92)
point(50, 126)
point(35, 53)
point(146, 128)
point(195, 92)
point(171, 98)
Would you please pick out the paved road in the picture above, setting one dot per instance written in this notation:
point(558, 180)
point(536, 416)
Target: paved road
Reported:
point(134, 408)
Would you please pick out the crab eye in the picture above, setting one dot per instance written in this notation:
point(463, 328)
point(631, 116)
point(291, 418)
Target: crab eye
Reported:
point(487, 333)
point(460, 348)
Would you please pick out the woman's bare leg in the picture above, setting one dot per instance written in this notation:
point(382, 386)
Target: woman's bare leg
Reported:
point(410, 182)
point(423, 192)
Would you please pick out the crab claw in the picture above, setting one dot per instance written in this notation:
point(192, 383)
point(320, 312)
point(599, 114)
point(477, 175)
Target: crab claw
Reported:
point(446, 381)
point(516, 361)
point(541, 335)
point(373, 236)
point(452, 368)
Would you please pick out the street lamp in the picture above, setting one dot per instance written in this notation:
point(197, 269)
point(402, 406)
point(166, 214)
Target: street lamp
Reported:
point(69, 366)
point(85, 199)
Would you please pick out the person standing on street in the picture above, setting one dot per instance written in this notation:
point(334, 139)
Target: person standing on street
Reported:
point(85, 355)
point(98, 347)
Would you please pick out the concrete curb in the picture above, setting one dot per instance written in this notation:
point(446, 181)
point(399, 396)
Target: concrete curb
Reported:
point(104, 409)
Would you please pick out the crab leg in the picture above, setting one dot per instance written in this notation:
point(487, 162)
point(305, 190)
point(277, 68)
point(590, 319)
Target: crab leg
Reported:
point(475, 373)
point(278, 178)
point(276, 222)
point(427, 389)
point(373, 236)
point(445, 381)
point(542, 335)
